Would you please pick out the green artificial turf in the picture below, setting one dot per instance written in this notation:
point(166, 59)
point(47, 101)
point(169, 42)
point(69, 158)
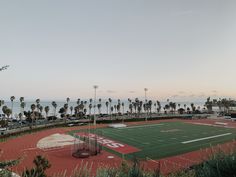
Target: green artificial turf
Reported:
point(165, 139)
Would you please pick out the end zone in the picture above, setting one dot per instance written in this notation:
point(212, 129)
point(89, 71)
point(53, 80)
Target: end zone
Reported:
point(111, 144)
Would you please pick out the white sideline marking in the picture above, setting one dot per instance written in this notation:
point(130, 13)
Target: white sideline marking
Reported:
point(209, 137)
point(140, 126)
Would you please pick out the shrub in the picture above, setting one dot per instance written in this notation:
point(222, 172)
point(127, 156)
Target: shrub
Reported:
point(41, 164)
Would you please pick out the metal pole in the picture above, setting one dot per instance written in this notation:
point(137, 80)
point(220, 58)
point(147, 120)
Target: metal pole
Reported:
point(145, 90)
point(94, 119)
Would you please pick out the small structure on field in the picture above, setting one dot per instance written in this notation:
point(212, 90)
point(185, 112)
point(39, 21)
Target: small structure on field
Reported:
point(117, 125)
point(85, 145)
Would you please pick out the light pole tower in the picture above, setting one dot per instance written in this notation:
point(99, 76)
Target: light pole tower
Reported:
point(145, 90)
point(94, 106)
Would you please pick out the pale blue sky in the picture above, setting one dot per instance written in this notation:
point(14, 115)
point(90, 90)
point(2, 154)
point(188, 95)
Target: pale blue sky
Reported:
point(179, 49)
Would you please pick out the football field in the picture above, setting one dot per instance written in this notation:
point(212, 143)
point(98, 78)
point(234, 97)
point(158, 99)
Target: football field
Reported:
point(160, 140)
point(168, 138)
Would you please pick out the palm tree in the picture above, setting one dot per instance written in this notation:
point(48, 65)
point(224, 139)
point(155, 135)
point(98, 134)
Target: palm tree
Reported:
point(85, 111)
point(37, 104)
point(46, 109)
point(90, 100)
point(33, 107)
point(99, 108)
point(209, 104)
point(172, 106)
point(38, 110)
point(41, 110)
point(118, 108)
point(158, 106)
point(12, 99)
point(167, 107)
point(115, 109)
point(107, 103)
point(7, 111)
point(90, 108)
point(1, 103)
point(54, 104)
point(71, 109)
point(110, 101)
point(81, 106)
point(65, 108)
point(67, 100)
point(140, 105)
point(22, 99)
point(155, 106)
point(179, 105)
point(111, 111)
point(123, 111)
point(100, 105)
point(188, 109)
point(78, 101)
point(22, 105)
point(135, 107)
point(131, 108)
point(123, 107)
point(150, 106)
point(193, 107)
point(145, 108)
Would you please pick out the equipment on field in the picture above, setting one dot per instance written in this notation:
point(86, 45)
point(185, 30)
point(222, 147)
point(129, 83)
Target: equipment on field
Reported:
point(85, 145)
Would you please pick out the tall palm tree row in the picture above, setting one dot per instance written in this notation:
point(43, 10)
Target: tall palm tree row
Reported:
point(135, 106)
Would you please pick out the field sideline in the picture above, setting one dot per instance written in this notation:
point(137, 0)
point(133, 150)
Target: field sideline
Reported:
point(167, 139)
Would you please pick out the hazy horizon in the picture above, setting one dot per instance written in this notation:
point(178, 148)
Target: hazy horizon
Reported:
point(182, 50)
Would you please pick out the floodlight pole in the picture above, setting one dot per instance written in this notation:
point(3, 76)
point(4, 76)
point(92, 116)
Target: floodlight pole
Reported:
point(145, 90)
point(94, 118)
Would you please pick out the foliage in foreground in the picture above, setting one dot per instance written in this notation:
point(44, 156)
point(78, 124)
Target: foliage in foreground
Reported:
point(4, 172)
point(41, 164)
point(220, 165)
point(125, 170)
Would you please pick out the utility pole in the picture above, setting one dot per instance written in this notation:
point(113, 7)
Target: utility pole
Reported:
point(94, 118)
point(145, 90)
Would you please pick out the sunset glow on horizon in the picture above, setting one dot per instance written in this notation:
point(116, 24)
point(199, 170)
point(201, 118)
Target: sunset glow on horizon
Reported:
point(180, 50)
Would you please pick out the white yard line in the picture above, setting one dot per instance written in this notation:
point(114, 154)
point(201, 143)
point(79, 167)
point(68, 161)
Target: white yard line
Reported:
point(206, 138)
point(138, 126)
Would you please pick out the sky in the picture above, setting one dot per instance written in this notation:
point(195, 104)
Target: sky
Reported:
point(178, 49)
